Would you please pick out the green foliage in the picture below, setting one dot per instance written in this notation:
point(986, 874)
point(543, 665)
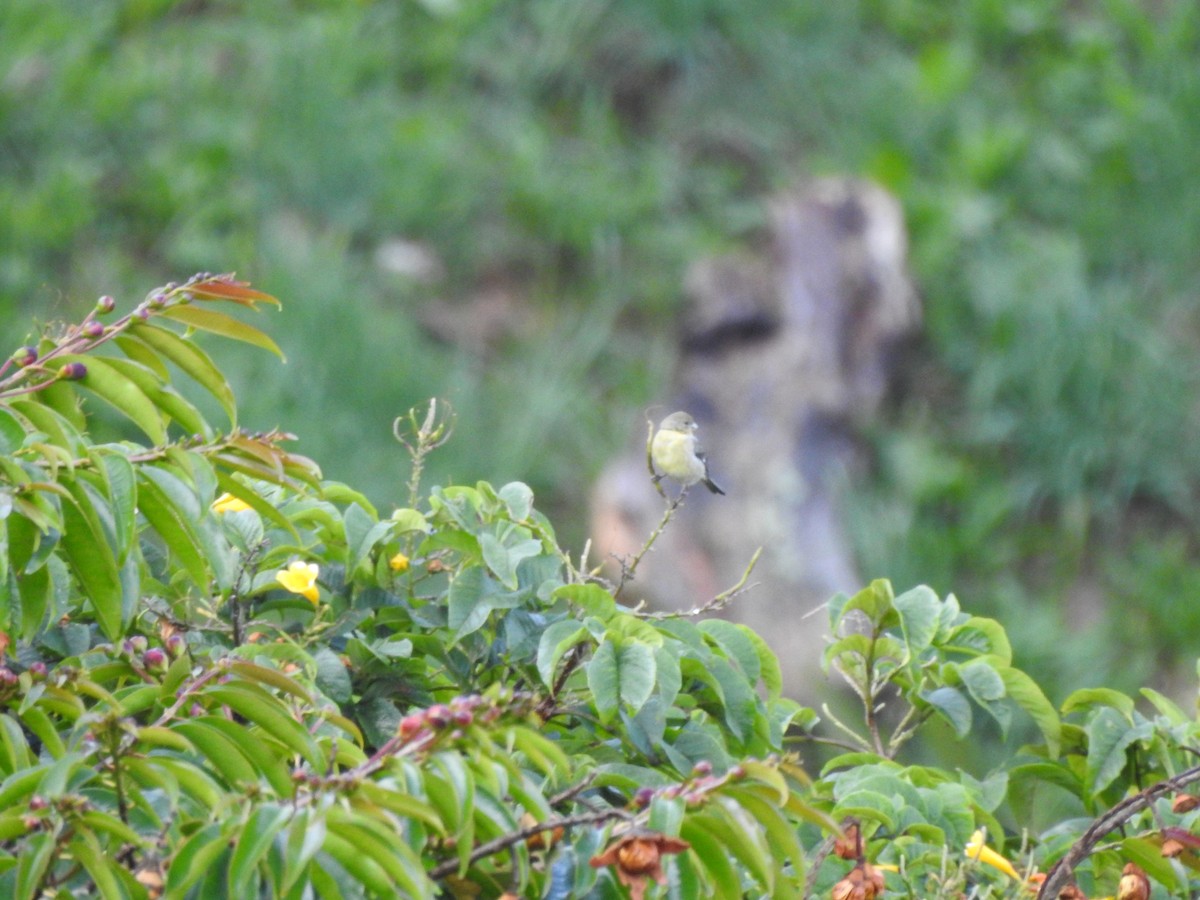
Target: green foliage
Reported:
point(566, 163)
point(226, 676)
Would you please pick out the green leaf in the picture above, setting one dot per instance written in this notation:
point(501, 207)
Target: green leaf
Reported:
point(272, 716)
point(1109, 736)
point(1025, 691)
point(122, 488)
point(195, 856)
point(32, 864)
point(982, 681)
point(554, 644)
point(264, 823)
point(273, 677)
point(365, 870)
point(190, 359)
point(503, 560)
point(518, 497)
point(1089, 698)
point(874, 602)
point(952, 706)
point(14, 749)
point(981, 637)
point(620, 672)
point(711, 855)
point(226, 326)
point(332, 676)
point(224, 755)
point(385, 847)
point(306, 835)
point(110, 385)
point(734, 643)
point(363, 533)
point(592, 599)
point(93, 563)
point(406, 520)
point(740, 837)
point(920, 613)
point(174, 525)
point(169, 401)
point(12, 433)
point(1165, 706)
point(780, 833)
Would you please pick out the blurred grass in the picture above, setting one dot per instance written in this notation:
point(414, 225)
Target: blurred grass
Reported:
point(573, 158)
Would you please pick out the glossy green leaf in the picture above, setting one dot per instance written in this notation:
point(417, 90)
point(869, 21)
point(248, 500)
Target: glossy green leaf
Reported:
point(252, 844)
point(365, 869)
point(384, 847)
point(620, 673)
point(223, 753)
point(168, 401)
point(591, 599)
point(554, 644)
point(93, 563)
point(32, 865)
point(1110, 734)
point(122, 489)
point(194, 858)
point(110, 385)
point(953, 706)
point(920, 614)
point(190, 359)
point(780, 834)
point(710, 854)
point(1089, 698)
point(226, 326)
point(363, 534)
point(1025, 691)
point(174, 526)
point(272, 716)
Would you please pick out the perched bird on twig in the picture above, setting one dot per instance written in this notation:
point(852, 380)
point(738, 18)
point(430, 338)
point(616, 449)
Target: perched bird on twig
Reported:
point(675, 452)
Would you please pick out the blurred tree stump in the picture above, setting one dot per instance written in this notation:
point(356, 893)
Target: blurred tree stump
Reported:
point(783, 361)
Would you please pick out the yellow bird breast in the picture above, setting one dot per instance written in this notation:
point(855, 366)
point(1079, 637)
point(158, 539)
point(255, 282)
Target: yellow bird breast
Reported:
point(674, 454)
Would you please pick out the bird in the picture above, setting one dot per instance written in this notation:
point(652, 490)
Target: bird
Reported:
point(675, 452)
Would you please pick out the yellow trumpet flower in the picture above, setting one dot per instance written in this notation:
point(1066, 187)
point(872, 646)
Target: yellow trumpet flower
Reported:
point(229, 503)
point(978, 850)
point(301, 578)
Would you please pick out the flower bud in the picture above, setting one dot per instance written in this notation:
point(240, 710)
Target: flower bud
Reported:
point(1184, 803)
point(26, 356)
point(643, 796)
point(176, 644)
point(154, 660)
point(438, 715)
point(702, 768)
point(93, 329)
point(105, 304)
point(1134, 884)
point(410, 726)
point(73, 371)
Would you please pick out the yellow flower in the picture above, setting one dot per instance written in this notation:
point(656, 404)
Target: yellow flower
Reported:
point(399, 563)
point(976, 849)
point(229, 503)
point(300, 578)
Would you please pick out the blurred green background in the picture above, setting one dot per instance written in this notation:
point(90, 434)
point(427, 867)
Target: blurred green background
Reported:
point(495, 202)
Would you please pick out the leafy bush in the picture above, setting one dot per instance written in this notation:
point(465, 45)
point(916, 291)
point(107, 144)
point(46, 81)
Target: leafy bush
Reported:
point(226, 676)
